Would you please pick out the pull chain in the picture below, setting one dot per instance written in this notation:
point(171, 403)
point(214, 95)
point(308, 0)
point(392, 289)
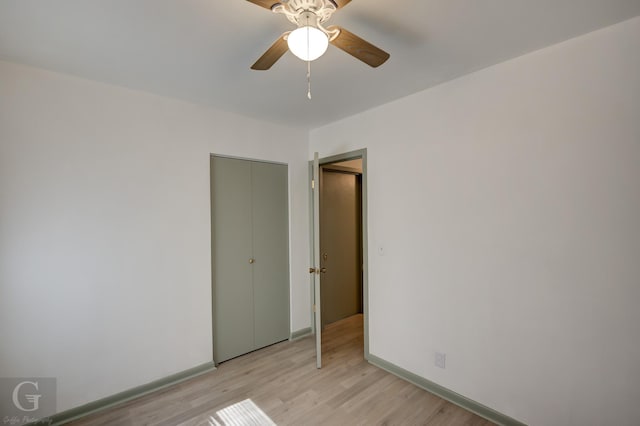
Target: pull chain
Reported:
point(309, 80)
point(308, 63)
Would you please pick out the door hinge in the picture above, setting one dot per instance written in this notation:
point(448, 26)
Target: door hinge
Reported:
point(314, 307)
point(313, 184)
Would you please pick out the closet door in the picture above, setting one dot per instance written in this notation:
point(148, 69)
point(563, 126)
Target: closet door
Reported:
point(271, 253)
point(233, 321)
point(249, 205)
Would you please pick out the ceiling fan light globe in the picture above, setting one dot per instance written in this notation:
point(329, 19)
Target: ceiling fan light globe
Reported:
point(308, 43)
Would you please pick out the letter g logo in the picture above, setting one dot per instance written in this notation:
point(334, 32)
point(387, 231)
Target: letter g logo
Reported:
point(33, 399)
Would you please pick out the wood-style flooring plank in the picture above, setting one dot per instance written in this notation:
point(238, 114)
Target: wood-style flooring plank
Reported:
point(283, 383)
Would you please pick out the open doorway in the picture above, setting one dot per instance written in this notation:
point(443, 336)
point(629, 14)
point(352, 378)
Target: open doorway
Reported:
point(341, 290)
point(341, 240)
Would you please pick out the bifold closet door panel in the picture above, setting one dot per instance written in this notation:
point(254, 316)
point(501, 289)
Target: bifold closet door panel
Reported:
point(233, 318)
point(271, 252)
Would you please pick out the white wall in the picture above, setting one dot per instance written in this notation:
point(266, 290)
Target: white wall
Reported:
point(105, 279)
point(508, 206)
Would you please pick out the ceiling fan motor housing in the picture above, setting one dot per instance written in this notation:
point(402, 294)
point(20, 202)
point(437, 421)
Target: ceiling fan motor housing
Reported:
point(302, 11)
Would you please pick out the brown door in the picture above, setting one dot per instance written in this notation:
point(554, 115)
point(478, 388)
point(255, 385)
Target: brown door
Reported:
point(340, 243)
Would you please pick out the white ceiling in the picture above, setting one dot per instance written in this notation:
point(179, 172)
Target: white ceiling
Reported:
point(201, 50)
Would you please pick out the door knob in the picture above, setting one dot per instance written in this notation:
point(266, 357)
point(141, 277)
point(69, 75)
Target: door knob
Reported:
point(312, 270)
point(252, 260)
point(323, 270)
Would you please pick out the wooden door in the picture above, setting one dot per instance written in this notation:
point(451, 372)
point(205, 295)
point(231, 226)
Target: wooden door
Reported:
point(315, 269)
point(271, 253)
point(250, 271)
point(340, 244)
point(231, 250)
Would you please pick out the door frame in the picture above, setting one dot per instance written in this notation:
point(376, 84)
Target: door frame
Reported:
point(351, 155)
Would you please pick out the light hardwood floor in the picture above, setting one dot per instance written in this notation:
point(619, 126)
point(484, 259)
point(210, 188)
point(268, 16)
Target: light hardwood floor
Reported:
point(284, 384)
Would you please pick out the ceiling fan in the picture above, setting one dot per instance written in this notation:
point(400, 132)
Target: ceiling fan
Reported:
point(311, 39)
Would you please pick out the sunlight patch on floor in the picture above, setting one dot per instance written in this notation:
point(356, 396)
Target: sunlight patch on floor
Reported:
point(243, 413)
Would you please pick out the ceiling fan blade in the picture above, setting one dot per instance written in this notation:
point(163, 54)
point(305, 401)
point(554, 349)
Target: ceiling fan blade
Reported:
point(359, 48)
point(340, 3)
point(267, 4)
point(272, 54)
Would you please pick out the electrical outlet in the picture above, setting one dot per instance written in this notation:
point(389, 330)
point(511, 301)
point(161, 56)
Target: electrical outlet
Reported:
point(440, 360)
